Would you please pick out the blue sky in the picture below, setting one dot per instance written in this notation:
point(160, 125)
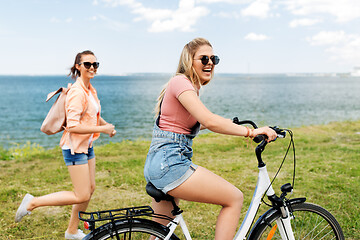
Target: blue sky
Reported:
point(42, 37)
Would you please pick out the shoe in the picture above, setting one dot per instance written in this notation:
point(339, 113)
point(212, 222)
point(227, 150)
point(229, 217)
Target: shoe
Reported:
point(79, 235)
point(22, 210)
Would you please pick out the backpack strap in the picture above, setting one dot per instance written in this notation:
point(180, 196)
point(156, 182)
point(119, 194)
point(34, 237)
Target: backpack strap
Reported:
point(52, 94)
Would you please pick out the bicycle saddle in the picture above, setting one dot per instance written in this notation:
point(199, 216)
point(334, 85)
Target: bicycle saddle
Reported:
point(157, 194)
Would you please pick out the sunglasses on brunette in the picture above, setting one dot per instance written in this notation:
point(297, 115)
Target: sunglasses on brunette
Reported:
point(87, 65)
point(205, 59)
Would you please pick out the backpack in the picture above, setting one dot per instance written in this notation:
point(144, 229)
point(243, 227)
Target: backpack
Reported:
point(55, 120)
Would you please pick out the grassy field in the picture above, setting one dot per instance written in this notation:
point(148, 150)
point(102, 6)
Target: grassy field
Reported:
point(327, 173)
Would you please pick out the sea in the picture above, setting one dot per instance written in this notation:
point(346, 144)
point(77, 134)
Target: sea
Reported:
point(128, 101)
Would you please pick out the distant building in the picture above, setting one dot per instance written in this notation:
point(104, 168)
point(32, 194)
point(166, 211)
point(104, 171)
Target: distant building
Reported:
point(356, 72)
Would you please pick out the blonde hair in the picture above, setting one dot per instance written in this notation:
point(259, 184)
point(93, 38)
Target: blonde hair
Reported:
point(185, 67)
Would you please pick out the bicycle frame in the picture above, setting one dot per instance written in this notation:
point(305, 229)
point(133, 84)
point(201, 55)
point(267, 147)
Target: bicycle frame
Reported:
point(263, 185)
point(178, 220)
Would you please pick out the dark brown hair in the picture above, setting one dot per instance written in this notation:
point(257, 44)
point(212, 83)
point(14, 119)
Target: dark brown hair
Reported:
point(74, 73)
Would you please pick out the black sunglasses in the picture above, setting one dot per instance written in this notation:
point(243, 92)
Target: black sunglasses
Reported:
point(87, 65)
point(205, 59)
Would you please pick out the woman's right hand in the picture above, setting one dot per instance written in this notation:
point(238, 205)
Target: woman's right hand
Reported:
point(270, 133)
point(109, 129)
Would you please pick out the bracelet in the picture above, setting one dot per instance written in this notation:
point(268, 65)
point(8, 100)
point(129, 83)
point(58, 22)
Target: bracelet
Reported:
point(248, 132)
point(251, 135)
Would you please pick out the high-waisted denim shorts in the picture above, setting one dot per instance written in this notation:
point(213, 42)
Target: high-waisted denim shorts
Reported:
point(77, 158)
point(168, 163)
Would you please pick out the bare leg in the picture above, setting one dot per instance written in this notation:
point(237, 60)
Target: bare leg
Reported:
point(164, 208)
point(74, 219)
point(207, 187)
point(82, 182)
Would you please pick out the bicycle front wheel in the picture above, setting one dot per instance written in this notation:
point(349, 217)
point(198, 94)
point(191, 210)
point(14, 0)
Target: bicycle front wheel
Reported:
point(309, 221)
point(139, 230)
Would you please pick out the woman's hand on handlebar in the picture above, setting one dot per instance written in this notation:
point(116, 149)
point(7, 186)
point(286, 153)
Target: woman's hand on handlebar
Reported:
point(270, 133)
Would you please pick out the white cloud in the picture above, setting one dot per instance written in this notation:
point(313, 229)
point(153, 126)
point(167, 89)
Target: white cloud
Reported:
point(183, 19)
point(304, 22)
point(343, 48)
point(164, 20)
point(344, 10)
point(258, 8)
point(256, 37)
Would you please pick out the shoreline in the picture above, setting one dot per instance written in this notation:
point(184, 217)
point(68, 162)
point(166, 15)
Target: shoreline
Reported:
point(29, 146)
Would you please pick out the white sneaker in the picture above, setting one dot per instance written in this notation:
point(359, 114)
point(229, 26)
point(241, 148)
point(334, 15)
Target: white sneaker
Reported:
point(22, 210)
point(79, 235)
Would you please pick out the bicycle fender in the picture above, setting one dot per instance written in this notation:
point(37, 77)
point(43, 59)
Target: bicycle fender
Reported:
point(263, 219)
point(108, 226)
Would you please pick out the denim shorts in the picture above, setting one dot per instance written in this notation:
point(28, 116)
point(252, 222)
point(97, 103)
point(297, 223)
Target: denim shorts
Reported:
point(168, 163)
point(78, 158)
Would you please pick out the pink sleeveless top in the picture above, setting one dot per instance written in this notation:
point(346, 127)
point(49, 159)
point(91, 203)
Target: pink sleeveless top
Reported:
point(174, 117)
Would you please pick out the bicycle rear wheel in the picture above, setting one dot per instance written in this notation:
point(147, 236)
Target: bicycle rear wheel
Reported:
point(309, 221)
point(124, 230)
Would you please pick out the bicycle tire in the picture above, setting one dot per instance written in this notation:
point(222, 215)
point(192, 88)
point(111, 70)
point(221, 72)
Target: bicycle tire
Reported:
point(310, 222)
point(138, 229)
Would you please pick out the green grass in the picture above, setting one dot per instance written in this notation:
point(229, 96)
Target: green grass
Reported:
point(327, 173)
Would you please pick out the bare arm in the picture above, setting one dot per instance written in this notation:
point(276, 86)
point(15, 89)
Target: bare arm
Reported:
point(75, 99)
point(83, 129)
point(104, 127)
point(103, 122)
point(216, 123)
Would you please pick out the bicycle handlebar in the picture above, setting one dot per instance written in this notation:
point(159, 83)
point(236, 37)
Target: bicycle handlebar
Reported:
point(236, 121)
point(261, 139)
point(280, 132)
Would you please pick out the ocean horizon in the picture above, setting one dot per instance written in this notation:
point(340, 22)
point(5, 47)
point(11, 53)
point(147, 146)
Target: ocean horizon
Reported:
point(288, 74)
point(283, 99)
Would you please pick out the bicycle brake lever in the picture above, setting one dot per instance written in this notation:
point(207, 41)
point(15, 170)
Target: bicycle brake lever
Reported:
point(280, 132)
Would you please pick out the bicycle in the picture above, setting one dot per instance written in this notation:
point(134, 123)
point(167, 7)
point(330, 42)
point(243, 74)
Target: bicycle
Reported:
point(286, 219)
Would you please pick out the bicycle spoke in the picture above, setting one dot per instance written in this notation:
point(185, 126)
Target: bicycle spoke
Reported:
point(309, 222)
